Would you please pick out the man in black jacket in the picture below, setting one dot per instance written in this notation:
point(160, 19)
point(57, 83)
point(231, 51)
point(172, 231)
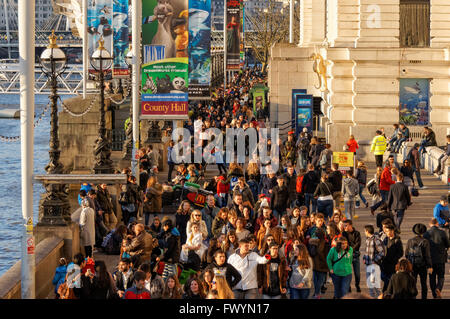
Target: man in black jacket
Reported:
point(354, 240)
point(335, 178)
point(399, 199)
point(124, 276)
point(290, 180)
point(439, 243)
point(394, 251)
point(222, 268)
point(171, 243)
point(418, 253)
point(309, 184)
point(279, 198)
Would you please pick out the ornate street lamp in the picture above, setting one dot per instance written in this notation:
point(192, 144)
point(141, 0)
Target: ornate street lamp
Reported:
point(54, 207)
point(101, 61)
point(128, 144)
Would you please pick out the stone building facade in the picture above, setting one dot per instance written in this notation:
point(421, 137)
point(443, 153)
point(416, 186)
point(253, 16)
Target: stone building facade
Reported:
point(368, 49)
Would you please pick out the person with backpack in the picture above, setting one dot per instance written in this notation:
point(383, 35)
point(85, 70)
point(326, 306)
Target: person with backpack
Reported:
point(354, 240)
point(439, 243)
point(361, 176)
point(394, 251)
point(373, 258)
point(309, 184)
point(350, 189)
point(324, 195)
point(335, 178)
point(399, 199)
point(418, 253)
point(318, 250)
point(402, 284)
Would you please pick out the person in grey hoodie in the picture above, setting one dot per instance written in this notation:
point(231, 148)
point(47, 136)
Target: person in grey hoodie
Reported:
point(350, 189)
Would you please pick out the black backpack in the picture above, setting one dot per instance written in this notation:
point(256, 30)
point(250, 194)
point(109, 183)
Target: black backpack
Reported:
point(415, 254)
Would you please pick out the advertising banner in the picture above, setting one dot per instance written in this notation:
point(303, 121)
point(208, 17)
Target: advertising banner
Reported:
point(302, 110)
point(99, 24)
point(120, 38)
point(165, 71)
point(415, 101)
point(241, 44)
point(344, 159)
point(199, 48)
point(233, 32)
point(258, 93)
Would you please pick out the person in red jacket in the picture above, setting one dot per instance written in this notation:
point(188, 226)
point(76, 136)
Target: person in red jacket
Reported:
point(298, 187)
point(222, 191)
point(138, 291)
point(352, 144)
point(385, 185)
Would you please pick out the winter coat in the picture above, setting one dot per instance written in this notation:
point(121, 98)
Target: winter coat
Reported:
point(314, 153)
point(247, 195)
point(279, 199)
point(386, 179)
point(266, 184)
point(439, 243)
point(352, 145)
point(399, 197)
point(222, 186)
point(60, 276)
point(291, 183)
point(154, 197)
point(354, 241)
point(181, 221)
point(350, 188)
point(87, 227)
point(402, 286)
point(441, 213)
point(310, 181)
point(324, 189)
point(320, 259)
point(141, 245)
point(361, 176)
point(335, 178)
point(104, 199)
point(172, 247)
point(394, 251)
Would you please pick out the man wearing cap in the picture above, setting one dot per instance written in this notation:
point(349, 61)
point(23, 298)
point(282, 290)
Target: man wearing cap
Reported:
point(439, 244)
point(418, 253)
point(246, 263)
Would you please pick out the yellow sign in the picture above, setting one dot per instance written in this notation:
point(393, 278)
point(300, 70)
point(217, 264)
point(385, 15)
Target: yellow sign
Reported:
point(344, 159)
point(29, 225)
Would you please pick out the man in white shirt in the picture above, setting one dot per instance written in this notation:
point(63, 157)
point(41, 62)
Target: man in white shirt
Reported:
point(246, 263)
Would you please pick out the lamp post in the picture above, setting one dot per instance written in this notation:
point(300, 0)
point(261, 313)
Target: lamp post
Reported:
point(54, 207)
point(128, 144)
point(101, 61)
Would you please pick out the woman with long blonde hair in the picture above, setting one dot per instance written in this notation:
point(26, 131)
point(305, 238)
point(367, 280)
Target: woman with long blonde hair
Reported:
point(224, 291)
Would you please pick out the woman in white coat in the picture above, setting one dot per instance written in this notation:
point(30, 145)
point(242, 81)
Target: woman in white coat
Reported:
point(87, 227)
point(194, 242)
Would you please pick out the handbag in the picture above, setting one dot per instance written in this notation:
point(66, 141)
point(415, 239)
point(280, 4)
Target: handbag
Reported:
point(414, 192)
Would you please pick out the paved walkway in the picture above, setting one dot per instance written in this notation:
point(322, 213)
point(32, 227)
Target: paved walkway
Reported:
point(420, 212)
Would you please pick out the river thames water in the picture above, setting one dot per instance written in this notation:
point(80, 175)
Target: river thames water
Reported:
point(10, 177)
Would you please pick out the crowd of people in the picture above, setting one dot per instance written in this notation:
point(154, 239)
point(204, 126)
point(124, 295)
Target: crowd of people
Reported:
point(283, 234)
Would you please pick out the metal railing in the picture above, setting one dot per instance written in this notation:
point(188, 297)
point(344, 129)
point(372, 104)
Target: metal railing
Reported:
point(118, 138)
point(69, 83)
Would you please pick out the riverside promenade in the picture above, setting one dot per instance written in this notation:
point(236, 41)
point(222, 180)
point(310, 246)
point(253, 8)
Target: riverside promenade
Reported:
point(420, 212)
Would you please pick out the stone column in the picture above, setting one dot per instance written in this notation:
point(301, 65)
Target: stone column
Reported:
point(439, 23)
point(312, 22)
point(379, 24)
point(342, 23)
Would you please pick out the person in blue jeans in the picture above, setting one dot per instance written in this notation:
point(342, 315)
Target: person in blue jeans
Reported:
point(309, 184)
point(324, 195)
point(301, 273)
point(319, 249)
point(361, 176)
point(404, 136)
point(339, 262)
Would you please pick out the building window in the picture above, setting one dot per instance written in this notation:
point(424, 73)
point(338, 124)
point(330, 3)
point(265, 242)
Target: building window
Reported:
point(414, 23)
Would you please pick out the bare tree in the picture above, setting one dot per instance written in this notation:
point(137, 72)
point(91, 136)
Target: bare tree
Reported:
point(268, 27)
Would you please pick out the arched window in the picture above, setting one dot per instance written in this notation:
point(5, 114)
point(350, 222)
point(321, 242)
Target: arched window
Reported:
point(414, 23)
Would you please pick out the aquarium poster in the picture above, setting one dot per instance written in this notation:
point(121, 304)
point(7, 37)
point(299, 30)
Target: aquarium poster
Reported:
point(415, 101)
point(233, 34)
point(199, 48)
point(120, 38)
point(99, 25)
point(302, 109)
point(165, 69)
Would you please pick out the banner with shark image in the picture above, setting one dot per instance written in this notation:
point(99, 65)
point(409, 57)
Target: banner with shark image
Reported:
point(99, 25)
point(415, 101)
point(233, 32)
point(121, 41)
point(199, 48)
point(165, 68)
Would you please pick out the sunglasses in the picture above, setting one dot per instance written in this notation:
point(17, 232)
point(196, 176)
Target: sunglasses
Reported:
point(198, 215)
